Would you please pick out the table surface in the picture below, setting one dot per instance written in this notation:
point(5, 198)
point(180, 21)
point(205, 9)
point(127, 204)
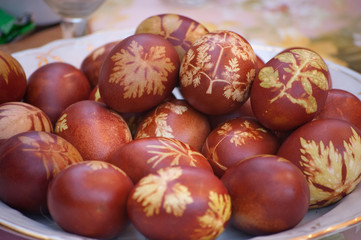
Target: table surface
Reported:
point(330, 27)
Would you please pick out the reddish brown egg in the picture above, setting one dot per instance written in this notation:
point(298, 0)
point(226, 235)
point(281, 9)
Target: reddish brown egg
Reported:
point(341, 104)
point(12, 79)
point(28, 162)
point(260, 62)
point(90, 199)
point(176, 119)
point(147, 155)
point(244, 111)
point(92, 63)
point(179, 30)
point(18, 117)
point(53, 87)
point(290, 89)
point(328, 151)
point(235, 140)
point(95, 95)
point(217, 72)
point(138, 73)
point(269, 194)
point(95, 130)
point(179, 203)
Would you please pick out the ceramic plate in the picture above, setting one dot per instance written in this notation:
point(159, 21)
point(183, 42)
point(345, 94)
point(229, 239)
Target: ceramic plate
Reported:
point(317, 223)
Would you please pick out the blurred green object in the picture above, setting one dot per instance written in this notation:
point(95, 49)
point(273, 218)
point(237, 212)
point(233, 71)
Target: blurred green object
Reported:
point(12, 28)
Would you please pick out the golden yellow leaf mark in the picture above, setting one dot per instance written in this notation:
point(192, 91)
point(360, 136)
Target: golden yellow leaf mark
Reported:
point(141, 71)
point(172, 149)
point(206, 65)
point(8, 65)
point(163, 129)
point(98, 52)
point(240, 137)
point(97, 96)
point(153, 193)
point(331, 174)
point(97, 165)
point(54, 153)
point(61, 124)
point(269, 77)
point(213, 221)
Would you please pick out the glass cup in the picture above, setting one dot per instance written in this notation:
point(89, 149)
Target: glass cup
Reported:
point(74, 15)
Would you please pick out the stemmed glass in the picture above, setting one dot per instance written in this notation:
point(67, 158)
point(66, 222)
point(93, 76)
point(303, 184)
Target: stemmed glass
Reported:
point(74, 15)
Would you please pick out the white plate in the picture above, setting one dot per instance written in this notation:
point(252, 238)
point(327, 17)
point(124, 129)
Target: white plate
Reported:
point(317, 223)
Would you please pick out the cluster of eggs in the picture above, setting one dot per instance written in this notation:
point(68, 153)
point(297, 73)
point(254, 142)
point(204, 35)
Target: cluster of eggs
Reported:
point(252, 143)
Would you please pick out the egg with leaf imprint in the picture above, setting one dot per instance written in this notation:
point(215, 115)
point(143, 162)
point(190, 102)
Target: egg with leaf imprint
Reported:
point(290, 89)
point(328, 151)
point(138, 73)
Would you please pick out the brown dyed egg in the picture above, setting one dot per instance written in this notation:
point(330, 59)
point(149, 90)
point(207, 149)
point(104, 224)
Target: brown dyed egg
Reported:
point(18, 117)
point(12, 79)
point(290, 89)
point(260, 62)
point(92, 63)
point(147, 155)
point(328, 151)
point(269, 194)
point(217, 72)
point(95, 95)
point(179, 30)
point(341, 104)
point(175, 119)
point(90, 199)
point(28, 162)
point(235, 140)
point(244, 111)
point(95, 130)
point(138, 73)
point(54, 86)
point(179, 203)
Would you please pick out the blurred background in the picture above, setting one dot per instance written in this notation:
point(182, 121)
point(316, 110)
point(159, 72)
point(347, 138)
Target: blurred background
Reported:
point(330, 27)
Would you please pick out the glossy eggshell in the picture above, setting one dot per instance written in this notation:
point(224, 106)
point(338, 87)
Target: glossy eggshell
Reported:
point(217, 72)
point(147, 155)
point(176, 119)
point(12, 79)
point(179, 30)
point(28, 162)
point(94, 129)
point(269, 194)
point(328, 153)
point(138, 73)
point(341, 104)
point(18, 117)
point(54, 86)
point(235, 140)
point(89, 199)
point(180, 203)
point(290, 89)
point(92, 63)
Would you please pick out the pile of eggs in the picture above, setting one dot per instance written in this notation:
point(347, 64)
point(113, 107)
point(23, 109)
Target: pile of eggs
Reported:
point(248, 143)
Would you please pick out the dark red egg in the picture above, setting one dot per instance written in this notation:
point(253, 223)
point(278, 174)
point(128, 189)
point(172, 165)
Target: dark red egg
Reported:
point(18, 117)
point(138, 73)
point(92, 63)
point(290, 89)
point(179, 30)
point(180, 203)
point(28, 162)
point(236, 139)
point(90, 199)
point(269, 194)
point(147, 155)
point(175, 119)
point(328, 151)
point(54, 86)
point(217, 72)
point(94, 129)
point(12, 79)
